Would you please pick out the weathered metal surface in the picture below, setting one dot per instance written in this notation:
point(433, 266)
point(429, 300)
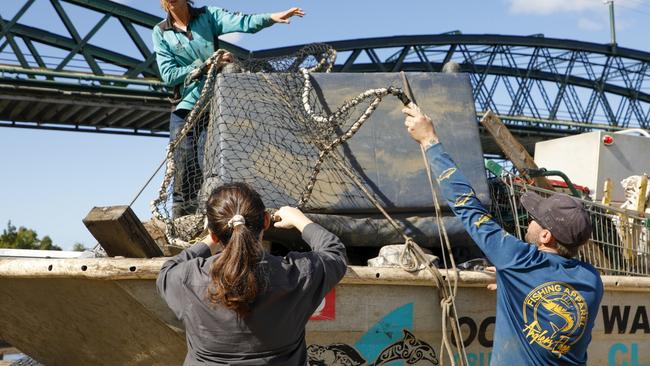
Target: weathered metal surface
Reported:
point(382, 154)
point(84, 322)
point(247, 124)
point(110, 314)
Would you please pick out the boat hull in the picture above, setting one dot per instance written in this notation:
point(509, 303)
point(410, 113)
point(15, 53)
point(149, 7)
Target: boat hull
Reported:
point(107, 312)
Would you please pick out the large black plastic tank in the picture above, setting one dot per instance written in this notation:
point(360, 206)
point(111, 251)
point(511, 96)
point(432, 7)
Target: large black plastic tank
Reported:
point(386, 159)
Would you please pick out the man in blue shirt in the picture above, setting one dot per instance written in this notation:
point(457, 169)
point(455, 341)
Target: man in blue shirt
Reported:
point(183, 43)
point(547, 301)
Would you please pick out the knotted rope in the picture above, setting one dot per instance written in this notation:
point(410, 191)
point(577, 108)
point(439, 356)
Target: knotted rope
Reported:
point(447, 288)
point(216, 62)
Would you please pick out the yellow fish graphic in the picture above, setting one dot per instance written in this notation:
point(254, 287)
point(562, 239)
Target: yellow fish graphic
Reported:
point(446, 174)
point(482, 220)
point(561, 312)
point(463, 199)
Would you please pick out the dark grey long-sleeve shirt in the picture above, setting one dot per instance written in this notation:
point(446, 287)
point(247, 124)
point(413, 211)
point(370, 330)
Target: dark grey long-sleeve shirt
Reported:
point(274, 332)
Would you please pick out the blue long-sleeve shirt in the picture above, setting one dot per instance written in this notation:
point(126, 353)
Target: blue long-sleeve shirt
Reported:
point(180, 52)
point(546, 304)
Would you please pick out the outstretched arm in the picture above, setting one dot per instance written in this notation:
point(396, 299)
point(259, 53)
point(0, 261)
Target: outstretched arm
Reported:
point(502, 249)
point(285, 16)
point(229, 22)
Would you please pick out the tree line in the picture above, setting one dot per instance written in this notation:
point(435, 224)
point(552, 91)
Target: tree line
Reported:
point(24, 238)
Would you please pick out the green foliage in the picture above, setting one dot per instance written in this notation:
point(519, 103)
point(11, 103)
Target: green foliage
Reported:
point(78, 247)
point(23, 238)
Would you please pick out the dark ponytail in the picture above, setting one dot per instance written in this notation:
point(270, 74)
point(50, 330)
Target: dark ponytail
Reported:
point(235, 274)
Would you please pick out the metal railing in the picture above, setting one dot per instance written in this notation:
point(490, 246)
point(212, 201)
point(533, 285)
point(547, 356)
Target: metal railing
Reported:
point(620, 240)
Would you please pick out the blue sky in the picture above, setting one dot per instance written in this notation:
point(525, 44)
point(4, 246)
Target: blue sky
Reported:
point(50, 180)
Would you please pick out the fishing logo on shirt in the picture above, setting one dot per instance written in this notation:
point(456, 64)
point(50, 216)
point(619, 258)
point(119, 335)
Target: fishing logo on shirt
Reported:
point(555, 316)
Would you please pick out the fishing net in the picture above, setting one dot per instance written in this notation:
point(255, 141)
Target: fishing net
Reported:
point(268, 125)
point(262, 122)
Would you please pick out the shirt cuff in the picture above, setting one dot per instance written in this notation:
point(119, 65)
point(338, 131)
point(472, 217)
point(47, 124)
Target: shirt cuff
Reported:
point(267, 20)
point(434, 148)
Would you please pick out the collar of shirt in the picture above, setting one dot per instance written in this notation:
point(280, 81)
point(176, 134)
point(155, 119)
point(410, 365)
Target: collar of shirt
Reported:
point(168, 24)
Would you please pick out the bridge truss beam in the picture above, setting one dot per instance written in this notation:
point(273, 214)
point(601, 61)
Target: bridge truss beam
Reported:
point(538, 85)
point(549, 80)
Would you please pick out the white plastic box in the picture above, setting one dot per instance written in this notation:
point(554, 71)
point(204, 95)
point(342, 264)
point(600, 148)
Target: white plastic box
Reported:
point(588, 161)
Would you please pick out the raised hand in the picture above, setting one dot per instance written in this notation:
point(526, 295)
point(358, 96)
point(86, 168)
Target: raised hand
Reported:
point(290, 217)
point(420, 127)
point(284, 16)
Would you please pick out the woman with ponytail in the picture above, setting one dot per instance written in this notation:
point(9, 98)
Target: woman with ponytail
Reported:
point(239, 304)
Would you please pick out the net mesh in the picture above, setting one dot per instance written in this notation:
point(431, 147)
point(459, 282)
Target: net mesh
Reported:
point(262, 122)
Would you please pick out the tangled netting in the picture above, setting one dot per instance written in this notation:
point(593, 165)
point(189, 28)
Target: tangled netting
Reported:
point(262, 121)
point(267, 125)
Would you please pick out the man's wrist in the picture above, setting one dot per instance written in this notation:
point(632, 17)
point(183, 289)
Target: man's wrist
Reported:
point(302, 223)
point(429, 142)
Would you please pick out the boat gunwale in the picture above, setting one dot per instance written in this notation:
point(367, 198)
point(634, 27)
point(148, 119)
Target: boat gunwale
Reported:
point(117, 269)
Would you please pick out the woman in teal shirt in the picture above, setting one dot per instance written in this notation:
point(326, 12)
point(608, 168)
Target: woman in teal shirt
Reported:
point(183, 42)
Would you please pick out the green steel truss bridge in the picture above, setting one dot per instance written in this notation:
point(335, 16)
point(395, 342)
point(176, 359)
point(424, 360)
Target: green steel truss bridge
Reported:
point(67, 79)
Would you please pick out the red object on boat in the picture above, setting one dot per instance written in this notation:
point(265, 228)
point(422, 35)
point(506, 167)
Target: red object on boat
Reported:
point(608, 140)
point(327, 308)
point(562, 184)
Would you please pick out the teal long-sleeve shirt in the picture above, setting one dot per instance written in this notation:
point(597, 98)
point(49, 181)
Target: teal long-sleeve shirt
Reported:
point(546, 304)
point(179, 52)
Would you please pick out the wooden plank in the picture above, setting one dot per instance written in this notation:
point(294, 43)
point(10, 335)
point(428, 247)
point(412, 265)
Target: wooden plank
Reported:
point(119, 231)
point(641, 198)
point(513, 150)
point(608, 188)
